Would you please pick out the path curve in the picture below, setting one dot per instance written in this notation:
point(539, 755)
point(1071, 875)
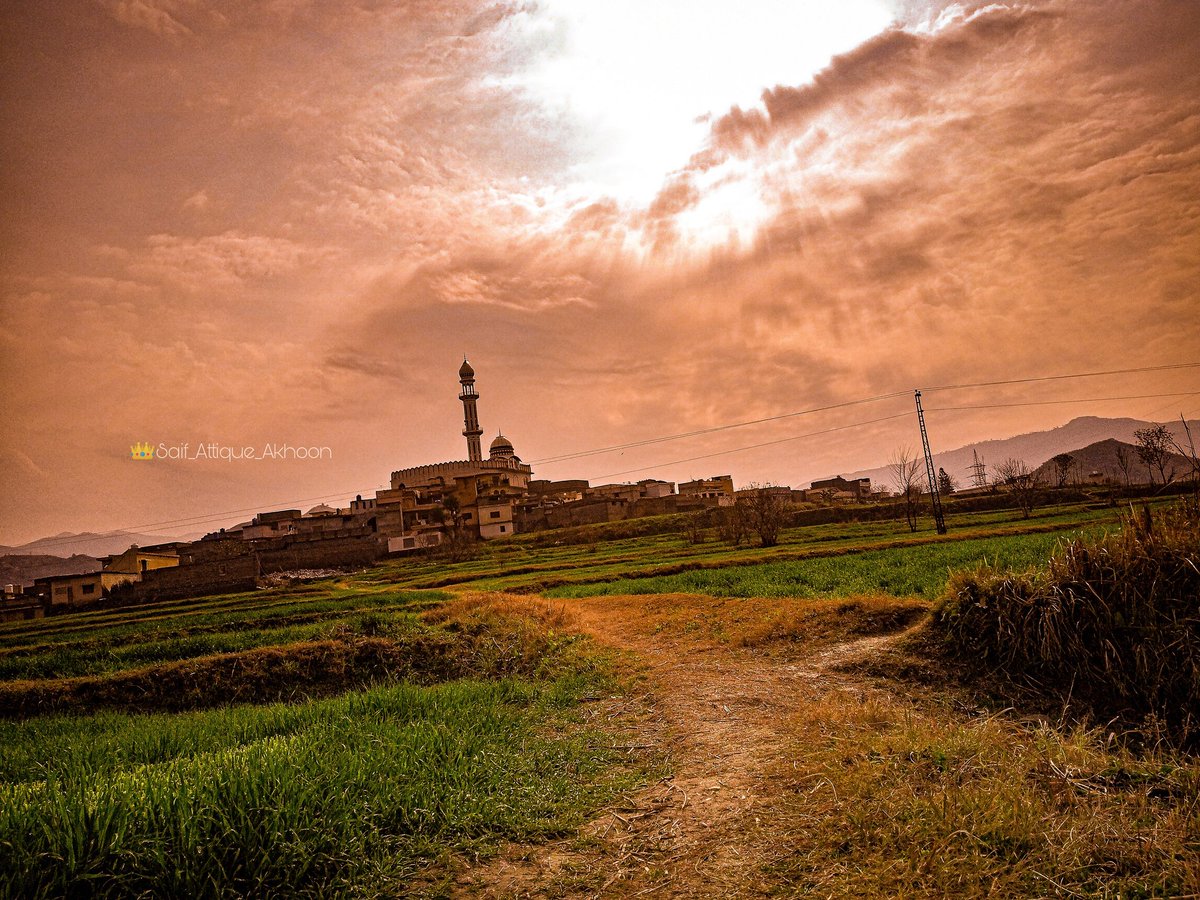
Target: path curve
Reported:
point(722, 715)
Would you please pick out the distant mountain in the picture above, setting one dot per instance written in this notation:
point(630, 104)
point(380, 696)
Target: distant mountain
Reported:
point(1102, 457)
point(23, 569)
point(87, 543)
point(1036, 447)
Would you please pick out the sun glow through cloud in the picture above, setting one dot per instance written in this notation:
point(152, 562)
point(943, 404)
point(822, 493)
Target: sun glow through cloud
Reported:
point(643, 80)
point(297, 216)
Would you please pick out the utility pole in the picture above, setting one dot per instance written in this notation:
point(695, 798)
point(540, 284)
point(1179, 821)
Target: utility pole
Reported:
point(938, 518)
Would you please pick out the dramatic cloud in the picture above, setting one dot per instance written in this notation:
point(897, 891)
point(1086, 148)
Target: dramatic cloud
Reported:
point(289, 221)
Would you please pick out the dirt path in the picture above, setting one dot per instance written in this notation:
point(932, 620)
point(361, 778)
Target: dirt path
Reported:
point(722, 715)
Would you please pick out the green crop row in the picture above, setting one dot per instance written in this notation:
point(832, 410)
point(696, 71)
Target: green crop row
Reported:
point(318, 799)
point(920, 570)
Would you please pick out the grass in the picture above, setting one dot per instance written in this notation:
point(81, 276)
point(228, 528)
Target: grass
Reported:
point(920, 570)
point(767, 623)
point(409, 738)
point(353, 794)
point(476, 637)
point(523, 563)
point(89, 645)
point(886, 798)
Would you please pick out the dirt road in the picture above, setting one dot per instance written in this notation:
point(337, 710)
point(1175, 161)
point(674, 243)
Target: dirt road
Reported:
point(722, 717)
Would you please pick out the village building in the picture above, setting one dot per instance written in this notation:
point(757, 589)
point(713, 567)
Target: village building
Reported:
point(121, 568)
point(18, 604)
point(716, 491)
point(780, 492)
point(59, 592)
point(65, 591)
point(551, 493)
point(839, 488)
point(648, 488)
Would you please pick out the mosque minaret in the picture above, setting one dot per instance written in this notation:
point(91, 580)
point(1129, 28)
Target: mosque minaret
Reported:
point(502, 459)
point(469, 397)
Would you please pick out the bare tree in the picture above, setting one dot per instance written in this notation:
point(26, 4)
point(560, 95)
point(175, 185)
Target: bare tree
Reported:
point(1124, 462)
point(459, 541)
point(1062, 468)
point(766, 512)
point(1021, 482)
point(693, 527)
point(731, 524)
point(905, 468)
point(1154, 450)
point(1187, 449)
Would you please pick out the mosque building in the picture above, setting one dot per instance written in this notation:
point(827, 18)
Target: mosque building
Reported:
point(475, 494)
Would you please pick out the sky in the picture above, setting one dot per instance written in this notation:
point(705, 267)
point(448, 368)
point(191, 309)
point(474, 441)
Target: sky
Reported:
point(284, 224)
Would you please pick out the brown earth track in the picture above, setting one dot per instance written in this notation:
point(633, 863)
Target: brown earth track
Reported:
point(721, 715)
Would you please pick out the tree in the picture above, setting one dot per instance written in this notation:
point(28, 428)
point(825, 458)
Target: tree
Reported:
point(1154, 450)
point(1062, 468)
point(766, 512)
point(905, 468)
point(946, 482)
point(731, 523)
point(459, 541)
point(1124, 462)
point(1188, 452)
point(693, 528)
point(1021, 481)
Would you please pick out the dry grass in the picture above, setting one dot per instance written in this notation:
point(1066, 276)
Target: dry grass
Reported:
point(1109, 626)
point(884, 798)
point(794, 775)
point(769, 623)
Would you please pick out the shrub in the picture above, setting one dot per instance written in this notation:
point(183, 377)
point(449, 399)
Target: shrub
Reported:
point(1111, 624)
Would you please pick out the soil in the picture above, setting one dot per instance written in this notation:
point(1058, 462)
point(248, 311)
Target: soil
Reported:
point(720, 715)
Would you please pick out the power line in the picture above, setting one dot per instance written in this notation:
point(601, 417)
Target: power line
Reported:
point(1054, 402)
point(785, 440)
point(1159, 409)
point(579, 454)
point(875, 421)
point(1138, 370)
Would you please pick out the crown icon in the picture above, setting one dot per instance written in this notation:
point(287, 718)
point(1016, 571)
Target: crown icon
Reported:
point(141, 451)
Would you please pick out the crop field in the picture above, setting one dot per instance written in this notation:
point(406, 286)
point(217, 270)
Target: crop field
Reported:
point(414, 728)
point(287, 800)
point(360, 781)
point(528, 564)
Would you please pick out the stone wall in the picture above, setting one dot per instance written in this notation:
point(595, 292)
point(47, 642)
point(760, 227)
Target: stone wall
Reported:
point(215, 576)
point(283, 554)
point(585, 512)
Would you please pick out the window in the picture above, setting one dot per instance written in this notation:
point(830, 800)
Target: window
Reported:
point(503, 528)
point(89, 588)
point(495, 513)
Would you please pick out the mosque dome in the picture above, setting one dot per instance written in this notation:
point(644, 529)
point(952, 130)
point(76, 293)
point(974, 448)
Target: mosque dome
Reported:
point(501, 447)
point(320, 510)
point(465, 370)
